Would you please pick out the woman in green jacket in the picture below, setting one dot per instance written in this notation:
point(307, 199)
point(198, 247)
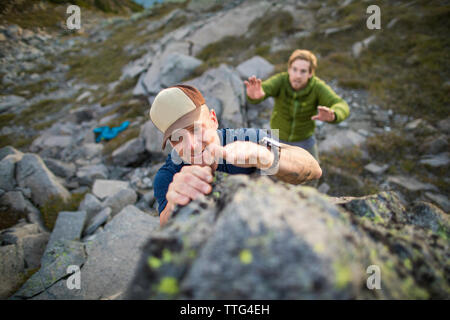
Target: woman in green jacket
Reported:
point(300, 98)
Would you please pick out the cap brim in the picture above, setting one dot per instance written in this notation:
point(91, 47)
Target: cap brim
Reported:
point(185, 121)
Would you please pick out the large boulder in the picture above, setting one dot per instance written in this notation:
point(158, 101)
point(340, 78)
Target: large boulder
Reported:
point(7, 170)
point(120, 200)
point(14, 206)
point(60, 168)
point(11, 267)
point(91, 205)
point(129, 153)
point(242, 242)
point(152, 138)
point(234, 22)
point(21, 248)
point(107, 263)
point(224, 84)
point(68, 227)
point(256, 66)
point(32, 173)
point(342, 139)
point(5, 151)
point(167, 71)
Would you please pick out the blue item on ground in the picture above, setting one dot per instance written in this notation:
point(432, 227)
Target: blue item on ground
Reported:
point(107, 133)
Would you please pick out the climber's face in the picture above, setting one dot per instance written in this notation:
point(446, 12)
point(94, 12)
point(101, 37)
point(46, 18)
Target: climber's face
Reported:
point(299, 74)
point(190, 142)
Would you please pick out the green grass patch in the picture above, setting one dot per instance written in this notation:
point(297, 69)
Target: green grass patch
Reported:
point(109, 57)
point(391, 145)
point(32, 89)
point(55, 205)
point(122, 138)
point(16, 140)
point(349, 159)
point(6, 118)
point(35, 113)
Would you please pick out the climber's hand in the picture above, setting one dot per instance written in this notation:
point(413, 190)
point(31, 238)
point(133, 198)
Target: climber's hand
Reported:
point(188, 184)
point(254, 88)
point(325, 114)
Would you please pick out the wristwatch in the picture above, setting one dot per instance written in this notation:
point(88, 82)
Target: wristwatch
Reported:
point(275, 147)
point(270, 143)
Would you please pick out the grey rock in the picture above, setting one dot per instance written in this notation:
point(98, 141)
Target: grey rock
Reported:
point(152, 138)
point(323, 188)
point(411, 184)
point(342, 139)
point(224, 84)
point(120, 200)
point(11, 269)
point(360, 46)
point(84, 95)
point(436, 161)
point(131, 152)
point(376, 169)
point(112, 257)
point(88, 174)
point(444, 125)
point(224, 246)
point(91, 150)
point(83, 114)
point(6, 151)
point(172, 68)
point(429, 216)
point(434, 145)
point(256, 66)
point(68, 227)
point(32, 173)
point(14, 32)
point(420, 127)
point(98, 220)
point(91, 205)
point(33, 247)
point(60, 168)
point(116, 250)
point(175, 68)
point(53, 270)
point(16, 206)
point(106, 188)
point(8, 102)
point(440, 199)
point(51, 141)
point(233, 22)
point(7, 170)
point(15, 234)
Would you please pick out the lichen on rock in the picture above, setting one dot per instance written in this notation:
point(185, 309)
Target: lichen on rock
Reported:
point(263, 239)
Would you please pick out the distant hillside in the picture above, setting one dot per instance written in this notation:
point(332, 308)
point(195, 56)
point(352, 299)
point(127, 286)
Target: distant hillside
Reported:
point(114, 6)
point(49, 14)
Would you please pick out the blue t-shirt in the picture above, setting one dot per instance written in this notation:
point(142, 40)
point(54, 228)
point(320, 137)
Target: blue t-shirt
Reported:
point(173, 164)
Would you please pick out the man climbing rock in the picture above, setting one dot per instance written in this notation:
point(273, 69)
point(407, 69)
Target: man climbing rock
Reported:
point(300, 98)
point(199, 149)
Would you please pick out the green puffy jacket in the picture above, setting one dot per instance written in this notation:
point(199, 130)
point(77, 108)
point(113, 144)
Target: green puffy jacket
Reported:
point(293, 110)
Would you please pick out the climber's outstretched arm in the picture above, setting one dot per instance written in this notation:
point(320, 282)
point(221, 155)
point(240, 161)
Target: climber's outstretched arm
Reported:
point(296, 165)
